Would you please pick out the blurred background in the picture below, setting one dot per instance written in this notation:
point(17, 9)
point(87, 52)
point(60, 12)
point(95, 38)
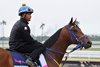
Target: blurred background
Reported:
point(49, 16)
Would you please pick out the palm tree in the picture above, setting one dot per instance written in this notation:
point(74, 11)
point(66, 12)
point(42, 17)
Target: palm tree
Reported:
point(3, 23)
point(42, 27)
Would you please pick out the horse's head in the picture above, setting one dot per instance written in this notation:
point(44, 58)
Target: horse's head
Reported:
point(58, 43)
point(77, 36)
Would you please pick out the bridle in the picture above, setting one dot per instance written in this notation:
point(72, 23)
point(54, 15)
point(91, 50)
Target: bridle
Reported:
point(78, 39)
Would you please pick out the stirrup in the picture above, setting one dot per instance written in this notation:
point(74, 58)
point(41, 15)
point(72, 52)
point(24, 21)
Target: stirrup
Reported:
point(31, 63)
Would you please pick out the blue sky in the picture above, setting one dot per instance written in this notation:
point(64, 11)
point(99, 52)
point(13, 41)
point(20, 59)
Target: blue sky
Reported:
point(54, 13)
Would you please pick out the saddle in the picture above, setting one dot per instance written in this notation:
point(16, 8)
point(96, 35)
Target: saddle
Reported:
point(21, 60)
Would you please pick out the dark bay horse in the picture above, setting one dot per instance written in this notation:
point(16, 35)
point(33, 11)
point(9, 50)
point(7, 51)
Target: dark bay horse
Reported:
point(56, 45)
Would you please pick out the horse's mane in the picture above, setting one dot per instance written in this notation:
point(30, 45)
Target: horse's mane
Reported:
point(48, 43)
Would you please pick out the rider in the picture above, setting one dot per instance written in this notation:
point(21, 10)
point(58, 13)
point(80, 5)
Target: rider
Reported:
point(20, 38)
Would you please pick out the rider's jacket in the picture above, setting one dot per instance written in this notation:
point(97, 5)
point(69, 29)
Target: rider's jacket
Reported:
point(20, 35)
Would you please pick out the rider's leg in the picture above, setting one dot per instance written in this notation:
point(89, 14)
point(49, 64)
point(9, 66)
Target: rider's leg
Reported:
point(36, 53)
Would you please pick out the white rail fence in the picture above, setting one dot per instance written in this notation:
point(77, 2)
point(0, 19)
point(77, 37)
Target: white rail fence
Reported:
point(85, 54)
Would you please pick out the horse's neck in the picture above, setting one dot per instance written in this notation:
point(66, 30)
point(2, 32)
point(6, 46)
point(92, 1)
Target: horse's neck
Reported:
point(60, 45)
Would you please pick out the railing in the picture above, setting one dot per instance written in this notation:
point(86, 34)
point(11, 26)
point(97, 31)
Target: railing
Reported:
point(85, 54)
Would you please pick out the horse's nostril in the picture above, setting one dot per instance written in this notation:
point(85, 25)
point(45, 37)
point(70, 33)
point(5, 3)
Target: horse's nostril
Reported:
point(89, 42)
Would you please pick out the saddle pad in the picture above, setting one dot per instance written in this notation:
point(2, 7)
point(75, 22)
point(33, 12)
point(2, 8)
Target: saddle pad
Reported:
point(18, 59)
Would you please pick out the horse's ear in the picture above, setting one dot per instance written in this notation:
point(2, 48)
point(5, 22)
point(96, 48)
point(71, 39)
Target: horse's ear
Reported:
point(71, 21)
point(75, 21)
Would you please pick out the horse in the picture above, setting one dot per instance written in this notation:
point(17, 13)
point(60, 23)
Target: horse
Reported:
point(56, 45)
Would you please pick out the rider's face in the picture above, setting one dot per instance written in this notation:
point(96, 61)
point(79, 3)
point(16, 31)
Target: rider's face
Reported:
point(28, 16)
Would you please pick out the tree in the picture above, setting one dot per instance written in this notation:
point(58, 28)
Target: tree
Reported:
point(3, 23)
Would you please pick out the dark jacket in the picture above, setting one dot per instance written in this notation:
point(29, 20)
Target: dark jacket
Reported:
point(20, 36)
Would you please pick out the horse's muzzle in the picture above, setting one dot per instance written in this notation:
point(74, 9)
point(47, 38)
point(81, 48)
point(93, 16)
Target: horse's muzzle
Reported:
point(88, 45)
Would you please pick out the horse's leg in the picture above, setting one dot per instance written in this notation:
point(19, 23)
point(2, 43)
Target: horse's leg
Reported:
point(5, 58)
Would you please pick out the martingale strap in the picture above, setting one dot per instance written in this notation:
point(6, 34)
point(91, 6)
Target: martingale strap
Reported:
point(53, 58)
point(49, 49)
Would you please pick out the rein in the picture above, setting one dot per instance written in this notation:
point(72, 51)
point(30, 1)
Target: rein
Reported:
point(72, 34)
